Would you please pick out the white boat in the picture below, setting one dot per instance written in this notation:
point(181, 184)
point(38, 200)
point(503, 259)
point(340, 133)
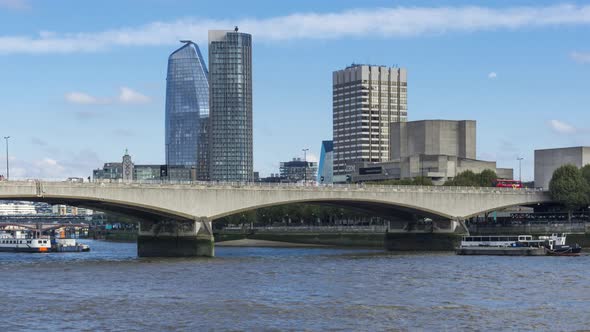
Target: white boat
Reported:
point(18, 241)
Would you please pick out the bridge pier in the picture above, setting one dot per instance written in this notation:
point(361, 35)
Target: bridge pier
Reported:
point(173, 238)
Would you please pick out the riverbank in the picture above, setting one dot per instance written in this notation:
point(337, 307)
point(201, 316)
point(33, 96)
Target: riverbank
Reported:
point(266, 244)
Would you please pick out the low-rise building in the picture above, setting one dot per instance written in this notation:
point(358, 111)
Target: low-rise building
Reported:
point(298, 170)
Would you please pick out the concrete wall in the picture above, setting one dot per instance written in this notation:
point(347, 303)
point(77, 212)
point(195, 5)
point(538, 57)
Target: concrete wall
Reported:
point(433, 137)
point(548, 160)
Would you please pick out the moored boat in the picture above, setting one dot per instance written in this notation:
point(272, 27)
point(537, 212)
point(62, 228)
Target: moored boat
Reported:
point(521, 245)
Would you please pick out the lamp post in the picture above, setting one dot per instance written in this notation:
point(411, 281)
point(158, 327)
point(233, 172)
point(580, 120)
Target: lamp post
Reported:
point(305, 160)
point(519, 168)
point(7, 165)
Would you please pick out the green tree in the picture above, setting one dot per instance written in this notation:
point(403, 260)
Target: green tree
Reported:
point(569, 187)
point(464, 179)
point(422, 181)
point(487, 178)
point(585, 170)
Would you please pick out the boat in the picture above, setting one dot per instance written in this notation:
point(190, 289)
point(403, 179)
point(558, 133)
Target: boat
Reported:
point(556, 246)
point(521, 245)
point(68, 245)
point(19, 241)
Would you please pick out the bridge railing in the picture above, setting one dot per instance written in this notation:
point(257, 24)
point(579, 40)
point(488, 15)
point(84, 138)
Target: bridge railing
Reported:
point(281, 186)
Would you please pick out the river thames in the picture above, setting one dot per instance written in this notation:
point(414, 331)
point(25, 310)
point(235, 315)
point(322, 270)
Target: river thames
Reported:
point(291, 289)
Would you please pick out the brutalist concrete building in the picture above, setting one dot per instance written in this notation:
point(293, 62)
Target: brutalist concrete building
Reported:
point(437, 149)
point(548, 160)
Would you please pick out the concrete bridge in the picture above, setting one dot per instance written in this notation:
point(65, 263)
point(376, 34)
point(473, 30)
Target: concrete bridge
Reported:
point(175, 219)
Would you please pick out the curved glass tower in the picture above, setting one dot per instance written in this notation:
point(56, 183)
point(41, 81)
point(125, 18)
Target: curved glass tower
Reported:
point(230, 62)
point(187, 110)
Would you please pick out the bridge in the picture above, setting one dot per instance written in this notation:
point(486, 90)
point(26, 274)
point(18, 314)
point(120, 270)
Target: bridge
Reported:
point(175, 219)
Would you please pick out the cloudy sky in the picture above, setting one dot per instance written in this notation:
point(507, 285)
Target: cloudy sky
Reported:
point(82, 81)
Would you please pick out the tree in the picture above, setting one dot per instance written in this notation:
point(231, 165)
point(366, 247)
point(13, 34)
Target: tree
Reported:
point(464, 179)
point(585, 170)
point(487, 178)
point(569, 188)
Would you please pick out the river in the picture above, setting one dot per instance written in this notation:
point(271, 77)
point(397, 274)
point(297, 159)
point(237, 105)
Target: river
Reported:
point(291, 289)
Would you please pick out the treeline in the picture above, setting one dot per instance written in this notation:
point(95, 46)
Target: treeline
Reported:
point(465, 179)
point(302, 214)
point(570, 186)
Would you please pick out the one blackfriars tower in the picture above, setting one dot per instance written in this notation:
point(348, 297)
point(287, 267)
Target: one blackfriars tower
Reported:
point(230, 100)
point(187, 110)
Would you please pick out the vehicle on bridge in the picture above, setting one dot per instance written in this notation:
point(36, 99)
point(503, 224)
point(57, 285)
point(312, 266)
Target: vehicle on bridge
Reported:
point(503, 183)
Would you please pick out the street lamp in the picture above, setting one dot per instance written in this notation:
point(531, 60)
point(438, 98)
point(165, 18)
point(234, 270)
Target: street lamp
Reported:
point(7, 165)
point(519, 168)
point(305, 160)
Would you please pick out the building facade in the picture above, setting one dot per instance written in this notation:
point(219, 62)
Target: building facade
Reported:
point(436, 149)
point(326, 167)
point(298, 170)
point(366, 100)
point(187, 110)
point(433, 137)
point(230, 96)
point(548, 160)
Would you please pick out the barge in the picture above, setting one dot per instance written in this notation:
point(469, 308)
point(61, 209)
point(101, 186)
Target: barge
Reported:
point(521, 245)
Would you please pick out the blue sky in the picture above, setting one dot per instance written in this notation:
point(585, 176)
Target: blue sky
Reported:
point(82, 80)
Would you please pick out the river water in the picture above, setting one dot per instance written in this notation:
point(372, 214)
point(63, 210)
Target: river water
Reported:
point(291, 289)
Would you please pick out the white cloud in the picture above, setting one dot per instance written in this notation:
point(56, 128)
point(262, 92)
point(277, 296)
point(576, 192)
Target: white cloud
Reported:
point(580, 57)
point(15, 4)
point(492, 75)
point(83, 98)
point(129, 96)
point(126, 96)
point(384, 22)
point(80, 164)
point(562, 127)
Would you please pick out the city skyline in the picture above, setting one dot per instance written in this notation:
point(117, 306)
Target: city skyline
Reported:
point(494, 71)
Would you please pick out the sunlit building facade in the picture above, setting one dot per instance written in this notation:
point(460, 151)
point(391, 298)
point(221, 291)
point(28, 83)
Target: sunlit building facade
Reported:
point(230, 79)
point(187, 110)
point(366, 100)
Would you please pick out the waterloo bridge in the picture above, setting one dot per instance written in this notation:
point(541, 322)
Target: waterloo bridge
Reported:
point(175, 219)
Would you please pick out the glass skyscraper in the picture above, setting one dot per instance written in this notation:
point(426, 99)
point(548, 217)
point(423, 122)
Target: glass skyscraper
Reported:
point(230, 77)
point(325, 170)
point(187, 110)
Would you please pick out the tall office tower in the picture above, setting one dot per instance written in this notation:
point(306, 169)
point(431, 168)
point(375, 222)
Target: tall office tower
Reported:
point(230, 98)
point(366, 99)
point(187, 110)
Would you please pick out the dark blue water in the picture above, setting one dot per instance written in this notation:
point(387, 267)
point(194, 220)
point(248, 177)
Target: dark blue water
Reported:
point(291, 289)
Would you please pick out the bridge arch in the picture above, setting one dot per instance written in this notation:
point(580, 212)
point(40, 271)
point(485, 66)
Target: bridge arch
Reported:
point(379, 207)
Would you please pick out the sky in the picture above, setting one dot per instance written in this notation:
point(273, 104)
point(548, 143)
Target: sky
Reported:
point(84, 80)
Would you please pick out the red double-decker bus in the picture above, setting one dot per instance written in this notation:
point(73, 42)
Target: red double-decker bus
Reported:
point(502, 183)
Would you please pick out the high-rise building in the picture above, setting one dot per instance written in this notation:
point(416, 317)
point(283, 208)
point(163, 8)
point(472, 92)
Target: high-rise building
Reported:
point(230, 79)
point(187, 110)
point(326, 166)
point(366, 99)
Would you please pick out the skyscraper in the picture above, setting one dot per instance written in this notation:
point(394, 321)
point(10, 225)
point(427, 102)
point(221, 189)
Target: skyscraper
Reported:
point(326, 167)
point(230, 78)
point(187, 110)
point(366, 99)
